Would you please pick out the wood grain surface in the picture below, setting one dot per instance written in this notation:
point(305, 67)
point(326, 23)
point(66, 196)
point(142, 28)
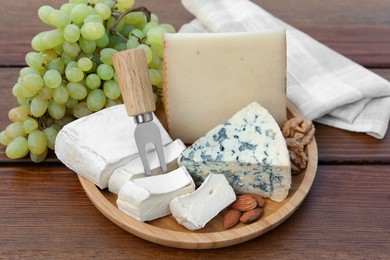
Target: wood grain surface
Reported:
point(45, 213)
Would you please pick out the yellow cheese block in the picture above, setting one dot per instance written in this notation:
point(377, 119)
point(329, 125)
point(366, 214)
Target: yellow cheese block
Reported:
point(210, 76)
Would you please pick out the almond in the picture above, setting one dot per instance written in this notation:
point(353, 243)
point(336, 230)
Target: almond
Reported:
point(231, 218)
point(260, 200)
point(251, 215)
point(244, 203)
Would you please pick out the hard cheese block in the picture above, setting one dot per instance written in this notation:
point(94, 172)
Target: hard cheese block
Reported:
point(249, 149)
point(210, 76)
point(95, 145)
point(134, 169)
point(148, 198)
point(194, 210)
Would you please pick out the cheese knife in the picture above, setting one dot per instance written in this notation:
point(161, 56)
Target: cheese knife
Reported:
point(131, 69)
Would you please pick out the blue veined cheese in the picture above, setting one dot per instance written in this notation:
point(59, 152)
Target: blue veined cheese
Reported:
point(95, 145)
point(134, 169)
point(249, 149)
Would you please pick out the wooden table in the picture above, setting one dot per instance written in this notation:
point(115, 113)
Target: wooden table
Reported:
point(45, 213)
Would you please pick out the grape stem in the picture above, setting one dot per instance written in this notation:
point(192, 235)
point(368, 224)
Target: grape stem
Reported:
point(147, 13)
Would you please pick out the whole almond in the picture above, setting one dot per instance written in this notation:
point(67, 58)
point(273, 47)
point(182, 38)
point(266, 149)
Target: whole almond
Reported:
point(244, 203)
point(260, 200)
point(231, 218)
point(251, 215)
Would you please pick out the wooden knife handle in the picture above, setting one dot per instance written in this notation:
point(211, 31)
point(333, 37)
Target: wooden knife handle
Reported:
point(131, 69)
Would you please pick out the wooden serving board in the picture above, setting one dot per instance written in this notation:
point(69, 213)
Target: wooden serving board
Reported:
point(166, 231)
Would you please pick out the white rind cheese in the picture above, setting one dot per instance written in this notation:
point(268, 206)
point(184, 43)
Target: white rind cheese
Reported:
point(210, 76)
point(148, 198)
point(196, 209)
point(95, 145)
point(134, 169)
point(249, 149)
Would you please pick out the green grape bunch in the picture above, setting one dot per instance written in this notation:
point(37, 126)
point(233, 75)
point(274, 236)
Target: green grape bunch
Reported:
point(70, 74)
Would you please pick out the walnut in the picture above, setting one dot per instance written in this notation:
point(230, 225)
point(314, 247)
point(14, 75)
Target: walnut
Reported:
point(298, 133)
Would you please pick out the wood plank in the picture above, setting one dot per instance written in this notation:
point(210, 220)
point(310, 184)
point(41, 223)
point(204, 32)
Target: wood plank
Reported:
point(356, 28)
point(45, 213)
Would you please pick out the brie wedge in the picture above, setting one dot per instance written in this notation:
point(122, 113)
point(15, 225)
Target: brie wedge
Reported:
point(134, 169)
point(194, 210)
point(148, 198)
point(95, 145)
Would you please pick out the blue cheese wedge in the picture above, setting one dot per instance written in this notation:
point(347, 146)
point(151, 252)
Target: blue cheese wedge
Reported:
point(249, 149)
point(196, 209)
point(134, 169)
point(148, 198)
point(95, 145)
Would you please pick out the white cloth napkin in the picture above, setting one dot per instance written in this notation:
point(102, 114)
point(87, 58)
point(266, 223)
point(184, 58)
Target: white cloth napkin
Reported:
point(325, 86)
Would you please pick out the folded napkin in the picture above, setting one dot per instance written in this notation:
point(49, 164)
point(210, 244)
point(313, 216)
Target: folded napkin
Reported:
point(324, 85)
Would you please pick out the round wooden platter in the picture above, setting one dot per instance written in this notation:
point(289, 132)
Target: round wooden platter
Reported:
point(166, 231)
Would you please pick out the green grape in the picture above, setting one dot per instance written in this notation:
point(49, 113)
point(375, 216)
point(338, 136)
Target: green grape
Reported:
point(127, 28)
point(94, 2)
point(167, 27)
point(105, 71)
point(36, 142)
point(17, 90)
point(71, 102)
point(153, 18)
point(38, 106)
point(28, 92)
point(52, 38)
point(155, 77)
point(138, 33)
point(57, 64)
point(85, 64)
point(111, 89)
point(103, 41)
point(114, 40)
point(4, 140)
point(17, 148)
point(79, 12)
point(67, 8)
point(50, 134)
point(46, 93)
point(156, 62)
point(49, 55)
point(59, 19)
point(76, 90)
point(29, 125)
point(37, 43)
point(88, 47)
point(32, 82)
point(133, 42)
point(136, 18)
point(93, 81)
point(112, 102)
point(122, 5)
point(103, 11)
point(121, 46)
point(28, 70)
point(74, 74)
point(66, 58)
point(18, 114)
point(71, 64)
point(92, 31)
point(110, 3)
point(71, 33)
point(106, 55)
point(78, 1)
point(148, 52)
point(52, 78)
point(14, 130)
point(81, 110)
point(56, 110)
point(64, 121)
point(60, 95)
point(37, 158)
point(148, 27)
point(156, 35)
point(44, 13)
point(158, 49)
point(35, 60)
point(96, 100)
point(71, 48)
point(93, 18)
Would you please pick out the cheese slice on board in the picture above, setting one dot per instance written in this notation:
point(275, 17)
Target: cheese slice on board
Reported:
point(210, 76)
point(148, 198)
point(95, 145)
point(134, 169)
point(249, 149)
point(194, 210)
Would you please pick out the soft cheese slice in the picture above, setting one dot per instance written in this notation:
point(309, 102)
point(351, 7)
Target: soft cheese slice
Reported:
point(249, 149)
point(134, 169)
point(95, 145)
point(148, 198)
point(210, 76)
point(196, 209)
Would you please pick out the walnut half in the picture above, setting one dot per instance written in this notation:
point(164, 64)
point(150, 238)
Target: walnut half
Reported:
point(298, 133)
